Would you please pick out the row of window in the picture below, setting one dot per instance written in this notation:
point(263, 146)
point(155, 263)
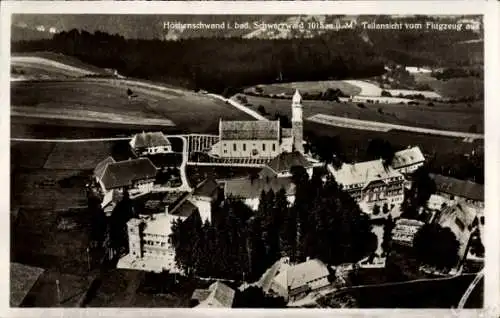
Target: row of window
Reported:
point(244, 147)
point(155, 243)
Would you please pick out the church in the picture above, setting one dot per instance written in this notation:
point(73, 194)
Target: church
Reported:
point(260, 139)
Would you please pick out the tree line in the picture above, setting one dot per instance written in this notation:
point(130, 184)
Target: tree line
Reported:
point(323, 222)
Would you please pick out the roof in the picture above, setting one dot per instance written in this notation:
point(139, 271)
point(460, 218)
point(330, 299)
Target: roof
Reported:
point(300, 274)
point(184, 210)
point(297, 98)
point(124, 173)
point(362, 173)
point(149, 139)
point(457, 187)
point(465, 213)
point(221, 296)
point(246, 188)
point(22, 279)
point(200, 294)
point(206, 189)
point(101, 166)
point(249, 130)
point(160, 224)
point(286, 160)
point(407, 157)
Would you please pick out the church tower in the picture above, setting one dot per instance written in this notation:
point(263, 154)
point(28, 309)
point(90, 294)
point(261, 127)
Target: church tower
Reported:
point(297, 127)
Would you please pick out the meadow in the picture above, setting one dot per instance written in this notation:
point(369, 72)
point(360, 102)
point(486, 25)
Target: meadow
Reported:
point(455, 117)
point(88, 99)
point(307, 87)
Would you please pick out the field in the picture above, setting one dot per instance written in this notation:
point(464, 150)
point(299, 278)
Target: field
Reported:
point(453, 88)
point(59, 58)
point(104, 100)
point(46, 180)
point(455, 117)
point(308, 87)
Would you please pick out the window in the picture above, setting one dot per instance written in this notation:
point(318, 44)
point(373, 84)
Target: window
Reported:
point(263, 147)
point(225, 151)
point(244, 147)
point(234, 147)
point(274, 147)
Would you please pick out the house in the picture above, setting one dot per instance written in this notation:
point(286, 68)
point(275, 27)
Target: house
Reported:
point(260, 139)
point(135, 175)
point(150, 143)
point(408, 160)
point(249, 190)
point(405, 230)
point(459, 190)
point(294, 282)
point(218, 295)
point(203, 196)
point(371, 184)
point(462, 219)
point(150, 247)
point(282, 164)
point(22, 280)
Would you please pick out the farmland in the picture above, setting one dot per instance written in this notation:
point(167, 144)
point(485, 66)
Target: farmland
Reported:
point(456, 117)
point(104, 100)
point(453, 88)
point(308, 87)
point(39, 58)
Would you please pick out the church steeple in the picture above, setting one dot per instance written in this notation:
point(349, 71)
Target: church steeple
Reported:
point(297, 126)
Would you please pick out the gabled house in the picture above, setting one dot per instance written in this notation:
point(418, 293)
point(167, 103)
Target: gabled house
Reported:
point(462, 219)
point(249, 190)
point(405, 230)
point(218, 295)
point(459, 190)
point(203, 196)
point(135, 175)
point(294, 282)
point(408, 160)
point(150, 143)
point(282, 164)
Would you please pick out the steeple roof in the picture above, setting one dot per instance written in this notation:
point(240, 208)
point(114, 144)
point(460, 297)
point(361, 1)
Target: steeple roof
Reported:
point(297, 98)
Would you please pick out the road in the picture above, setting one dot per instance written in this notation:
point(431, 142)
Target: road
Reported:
point(240, 106)
point(379, 126)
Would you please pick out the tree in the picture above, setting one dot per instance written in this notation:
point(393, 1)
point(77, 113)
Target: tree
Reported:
point(262, 110)
point(385, 93)
point(326, 148)
point(376, 209)
point(388, 227)
point(422, 189)
point(380, 149)
point(436, 246)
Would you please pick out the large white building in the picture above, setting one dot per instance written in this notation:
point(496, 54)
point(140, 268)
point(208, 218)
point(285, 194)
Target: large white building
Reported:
point(371, 183)
point(260, 139)
point(150, 247)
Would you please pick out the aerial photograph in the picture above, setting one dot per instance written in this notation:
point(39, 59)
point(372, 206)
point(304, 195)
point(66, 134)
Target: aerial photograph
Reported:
point(246, 161)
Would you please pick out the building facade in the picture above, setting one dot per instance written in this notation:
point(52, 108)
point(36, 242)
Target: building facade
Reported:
point(371, 184)
point(260, 139)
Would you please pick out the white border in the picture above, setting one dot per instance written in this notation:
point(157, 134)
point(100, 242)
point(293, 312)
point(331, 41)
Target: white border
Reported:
point(492, 153)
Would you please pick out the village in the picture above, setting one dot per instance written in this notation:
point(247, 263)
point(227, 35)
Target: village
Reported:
point(148, 199)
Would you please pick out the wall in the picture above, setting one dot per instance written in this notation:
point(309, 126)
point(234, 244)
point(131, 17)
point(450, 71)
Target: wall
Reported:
point(245, 148)
point(204, 206)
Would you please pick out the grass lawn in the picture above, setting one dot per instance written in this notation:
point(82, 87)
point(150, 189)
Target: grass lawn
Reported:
point(85, 98)
point(309, 87)
point(457, 117)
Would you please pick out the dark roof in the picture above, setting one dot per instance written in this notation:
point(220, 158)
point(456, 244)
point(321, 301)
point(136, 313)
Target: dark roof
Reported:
point(124, 173)
point(249, 130)
point(101, 166)
point(457, 187)
point(149, 139)
point(166, 160)
point(207, 188)
point(185, 209)
point(22, 279)
point(286, 160)
point(200, 294)
point(246, 188)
